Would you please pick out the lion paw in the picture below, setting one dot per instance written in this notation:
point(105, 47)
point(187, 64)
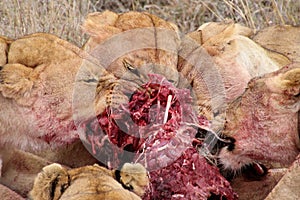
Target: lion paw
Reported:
point(50, 183)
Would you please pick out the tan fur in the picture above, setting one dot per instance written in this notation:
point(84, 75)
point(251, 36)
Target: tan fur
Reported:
point(36, 91)
point(264, 120)
point(211, 29)
point(42, 48)
point(17, 85)
point(284, 39)
point(51, 174)
point(111, 41)
point(107, 27)
point(135, 175)
point(100, 26)
point(37, 84)
point(87, 183)
point(9, 194)
point(20, 169)
point(227, 50)
point(4, 44)
point(38, 81)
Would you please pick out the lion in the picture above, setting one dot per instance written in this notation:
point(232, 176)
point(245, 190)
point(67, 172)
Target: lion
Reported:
point(40, 72)
point(56, 182)
point(222, 59)
point(284, 39)
point(38, 76)
point(267, 132)
point(138, 38)
point(36, 88)
point(37, 83)
point(9, 194)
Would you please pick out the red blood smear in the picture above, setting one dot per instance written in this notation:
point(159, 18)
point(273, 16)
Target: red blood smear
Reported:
point(190, 176)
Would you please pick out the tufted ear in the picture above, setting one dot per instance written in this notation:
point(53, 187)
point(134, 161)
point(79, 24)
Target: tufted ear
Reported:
point(16, 82)
point(237, 29)
point(227, 28)
point(197, 36)
point(243, 30)
point(211, 29)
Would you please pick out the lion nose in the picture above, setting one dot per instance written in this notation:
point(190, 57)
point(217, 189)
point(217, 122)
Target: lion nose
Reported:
point(213, 141)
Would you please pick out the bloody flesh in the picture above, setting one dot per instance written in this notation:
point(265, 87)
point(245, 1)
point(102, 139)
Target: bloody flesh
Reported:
point(159, 124)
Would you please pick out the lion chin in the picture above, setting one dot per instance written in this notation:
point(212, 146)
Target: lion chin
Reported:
point(56, 182)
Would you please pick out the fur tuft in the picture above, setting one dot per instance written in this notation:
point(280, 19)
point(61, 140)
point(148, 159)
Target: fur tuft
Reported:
point(134, 176)
point(50, 183)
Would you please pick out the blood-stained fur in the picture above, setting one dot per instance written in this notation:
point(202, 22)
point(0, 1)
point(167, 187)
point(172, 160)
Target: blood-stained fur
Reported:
point(38, 75)
point(264, 121)
point(36, 92)
point(37, 83)
point(36, 88)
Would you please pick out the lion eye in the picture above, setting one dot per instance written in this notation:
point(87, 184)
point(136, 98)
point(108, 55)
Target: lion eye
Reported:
point(127, 65)
point(129, 187)
point(131, 68)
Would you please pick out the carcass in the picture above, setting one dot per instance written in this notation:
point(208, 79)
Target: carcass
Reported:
point(144, 120)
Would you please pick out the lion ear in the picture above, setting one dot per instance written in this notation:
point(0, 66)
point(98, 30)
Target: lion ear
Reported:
point(101, 26)
point(16, 82)
point(197, 36)
point(243, 30)
point(214, 30)
point(290, 80)
point(237, 29)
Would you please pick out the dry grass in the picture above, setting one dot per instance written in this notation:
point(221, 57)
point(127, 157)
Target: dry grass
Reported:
point(64, 17)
